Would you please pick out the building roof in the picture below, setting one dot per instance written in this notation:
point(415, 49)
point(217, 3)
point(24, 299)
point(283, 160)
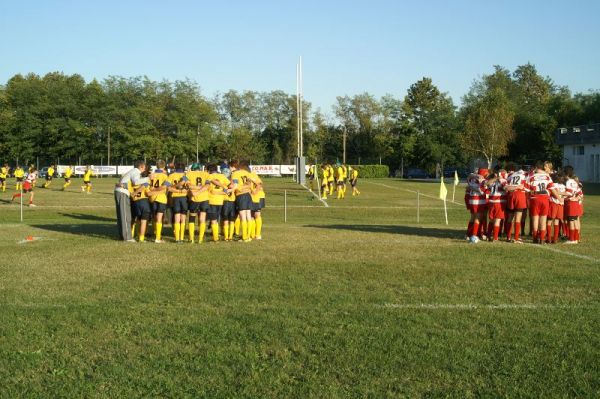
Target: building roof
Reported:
point(585, 134)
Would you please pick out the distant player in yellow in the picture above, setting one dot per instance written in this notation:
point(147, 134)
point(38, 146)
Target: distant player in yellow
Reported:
point(87, 180)
point(67, 175)
point(339, 181)
point(353, 181)
point(241, 185)
point(216, 197)
point(229, 216)
point(258, 203)
point(198, 200)
point(141, 212)
point(157, 196)
point(330, 179)
point(178, 191)
point(19, 175)
point(3, 176)
point(311, 177)
point(49, 176)
point(324, 181)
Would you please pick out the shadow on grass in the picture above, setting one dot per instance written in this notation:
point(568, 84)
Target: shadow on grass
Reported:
point(83, 216)
point(106, 231)
point(393, 229)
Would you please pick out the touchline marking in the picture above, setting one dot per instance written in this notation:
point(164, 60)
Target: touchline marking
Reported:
point(558, 251)
point(316, 196)
point(474, 306)
point(411, 191)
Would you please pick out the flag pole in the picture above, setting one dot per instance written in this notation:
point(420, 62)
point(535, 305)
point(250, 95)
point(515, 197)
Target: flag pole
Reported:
point(21, 198)
point(445, 212)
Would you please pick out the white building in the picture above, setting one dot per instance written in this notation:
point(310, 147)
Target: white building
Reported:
point(581, 149)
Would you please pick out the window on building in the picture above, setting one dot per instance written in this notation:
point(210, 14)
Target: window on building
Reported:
point(578, 150)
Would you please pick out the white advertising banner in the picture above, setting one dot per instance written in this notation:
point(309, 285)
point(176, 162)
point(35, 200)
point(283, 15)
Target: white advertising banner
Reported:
point(270, 170)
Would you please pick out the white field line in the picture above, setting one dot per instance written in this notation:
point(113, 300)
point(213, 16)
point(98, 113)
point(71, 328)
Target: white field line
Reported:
point(474, 306)
point(558, 251)
point(316, 196)
point(412, 191)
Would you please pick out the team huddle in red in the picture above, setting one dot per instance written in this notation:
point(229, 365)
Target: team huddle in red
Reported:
point(500, 201)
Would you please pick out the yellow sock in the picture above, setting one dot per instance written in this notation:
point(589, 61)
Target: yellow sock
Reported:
point(237, 226)
point(202, 231)
point(251, 229)
point(142, 237)
point(157, 230)
point(89, 188)
point(191, 230)
point(231, 230)
point(215, 231)
point(176, 228)
point(181, 231)
point(244, 230)
point(258, 222)
point(226, 231)
point(133, 230)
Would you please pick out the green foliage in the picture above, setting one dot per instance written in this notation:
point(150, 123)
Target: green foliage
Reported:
point(372, 171)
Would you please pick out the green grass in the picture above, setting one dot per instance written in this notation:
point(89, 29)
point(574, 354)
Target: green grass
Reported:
point(326, 305)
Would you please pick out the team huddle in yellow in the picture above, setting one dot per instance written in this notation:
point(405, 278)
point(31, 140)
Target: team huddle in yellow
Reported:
point(333, 179)
point(199, 197)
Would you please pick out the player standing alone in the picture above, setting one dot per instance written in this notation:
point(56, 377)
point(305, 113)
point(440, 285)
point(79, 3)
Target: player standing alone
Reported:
point(28, 186)
point(87, 180)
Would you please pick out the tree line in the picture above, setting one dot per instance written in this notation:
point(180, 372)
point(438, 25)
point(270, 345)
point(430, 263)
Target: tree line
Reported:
point(505, 115)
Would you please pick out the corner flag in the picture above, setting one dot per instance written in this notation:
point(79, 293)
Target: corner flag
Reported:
point(443, 191)
point(456, 180)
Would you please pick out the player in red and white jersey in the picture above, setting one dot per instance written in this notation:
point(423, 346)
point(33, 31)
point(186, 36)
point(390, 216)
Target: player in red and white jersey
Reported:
point(555, 213)
point(573, 205)
point(539, 186)
point(494, 188)
point(476, 202)
point(516, 202)
point(28, 185)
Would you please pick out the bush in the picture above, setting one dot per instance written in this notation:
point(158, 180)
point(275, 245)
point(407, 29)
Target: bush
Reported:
point(369, 171)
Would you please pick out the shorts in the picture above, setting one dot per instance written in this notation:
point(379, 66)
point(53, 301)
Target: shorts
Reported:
point(555, 211)
point(158, 207)
point(180, 205)
point(67, 180)
point(27, 187)
point(477, 208)
point(87, 182)
point(197, 207)
point(2, 179)
point(353, 182)
point(340, 182)
point(572, 218)
point(228, 210)
point(255, 207)
point(48, 177)
point(517, 200)
point(19, 179)
point(214, 211)
point(243, 202)
point(141, 209)
point(539, 205)
point(573, 208)
point(496, 211)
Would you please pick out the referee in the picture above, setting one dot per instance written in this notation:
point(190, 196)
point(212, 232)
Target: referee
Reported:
point(123, 201)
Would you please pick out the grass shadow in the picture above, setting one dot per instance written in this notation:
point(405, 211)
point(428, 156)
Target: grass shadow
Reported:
point(394, 229)
point(97, 230)
point(83, 216)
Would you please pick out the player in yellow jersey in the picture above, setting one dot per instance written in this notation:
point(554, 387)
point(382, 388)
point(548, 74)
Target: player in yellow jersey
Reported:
point(330, 179)
point(311, 177)
point(258, 202)
point(19, 175)
point(198, 185)
point(229, 216)
point(353, 181)
point(3, 176)
point(216, 196)
point(339, 181)
point(49, 176)
point(241, 185)
point(178, 191)
point(87, 179)
point(67, 175)
point(157, 196)
point(324, 181)
point(141, 212)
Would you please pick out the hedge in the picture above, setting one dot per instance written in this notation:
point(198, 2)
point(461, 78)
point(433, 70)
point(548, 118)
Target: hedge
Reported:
point(368, 171)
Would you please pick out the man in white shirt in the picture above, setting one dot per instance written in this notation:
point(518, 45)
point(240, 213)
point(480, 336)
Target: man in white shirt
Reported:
point(123, 201)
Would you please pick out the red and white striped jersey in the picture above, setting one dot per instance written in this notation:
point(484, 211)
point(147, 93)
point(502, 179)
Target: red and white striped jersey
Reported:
point(31, 177)
point(475, 189)
point(496, 192)
point(561, 190)
point(517, 178)
point(573, 188)
point(539, 184)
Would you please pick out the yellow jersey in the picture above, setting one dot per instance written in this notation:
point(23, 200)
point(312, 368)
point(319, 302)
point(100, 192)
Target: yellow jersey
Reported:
point(68, 173)
point(197, 179)
point(157, 182)
point(140, 195)
point(19, 173)
point(330, 173)
point(325, 175)
point(88, 175)
point(216, 195)
point(50, 172)
point(340, 174)
point(174, 179)
point(241, 181)
point(354, 174)
point(3, 173)
point(256, 184)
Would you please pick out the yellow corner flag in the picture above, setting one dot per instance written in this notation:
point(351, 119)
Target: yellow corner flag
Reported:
point(443, 191)
point(456, 180)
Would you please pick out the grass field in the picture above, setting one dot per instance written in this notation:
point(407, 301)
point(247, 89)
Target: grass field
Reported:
point(353, 300)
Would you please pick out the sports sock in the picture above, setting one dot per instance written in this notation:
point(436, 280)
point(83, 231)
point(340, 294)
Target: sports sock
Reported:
point(157, 231)
point(534, 235)
point(542, 236)
point(556, 233)
point(577, 237)
point(226, 231)
point(259, 223)
point(176, 228)
point(251, 228)
point(215, 231)
point(549, 230)
point(470, 229)
point(181, 231)
point(508, 230)
point(142, 237)
point(237, 225)
point(133, 230)
point(244, 230)
point(496, 232)
point(475, 229)
point(202, 231)
point(191, 230)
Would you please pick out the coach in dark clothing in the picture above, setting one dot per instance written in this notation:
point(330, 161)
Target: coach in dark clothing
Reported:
point(123, 201)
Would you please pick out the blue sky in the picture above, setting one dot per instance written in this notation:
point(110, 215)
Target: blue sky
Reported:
point(348, 47)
